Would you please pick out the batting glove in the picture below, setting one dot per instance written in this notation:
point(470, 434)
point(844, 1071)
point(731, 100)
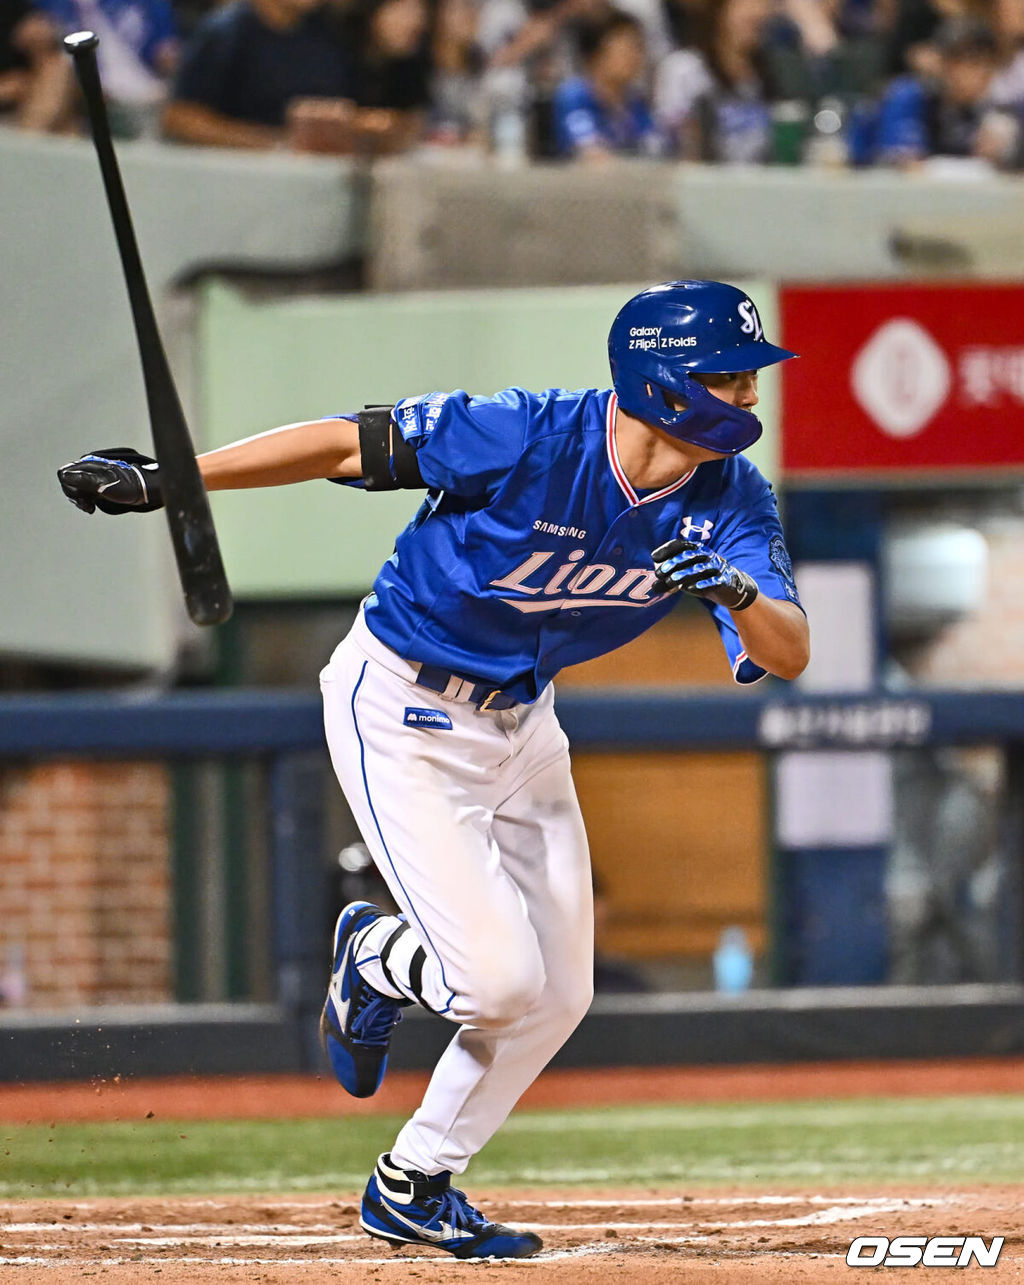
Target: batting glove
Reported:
point(696, 569)
point(118, 480)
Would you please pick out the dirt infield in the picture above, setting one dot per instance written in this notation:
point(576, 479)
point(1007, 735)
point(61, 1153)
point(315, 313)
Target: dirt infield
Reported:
point(735, 1238)
point(294, 1096)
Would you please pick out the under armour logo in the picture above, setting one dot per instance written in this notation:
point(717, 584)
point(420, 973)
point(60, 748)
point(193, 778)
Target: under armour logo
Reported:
point(750, 322)
point(702, 530)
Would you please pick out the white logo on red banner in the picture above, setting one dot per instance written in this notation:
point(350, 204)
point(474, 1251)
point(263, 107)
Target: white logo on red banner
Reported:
point(901, 377)
point(988, 375)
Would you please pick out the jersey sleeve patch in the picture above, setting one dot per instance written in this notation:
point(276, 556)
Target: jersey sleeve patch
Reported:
point(417, 417)
point(779, 557)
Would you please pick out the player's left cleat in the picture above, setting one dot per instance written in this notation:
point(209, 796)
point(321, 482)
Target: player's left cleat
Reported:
point(406, 1207)
point(357, 1022)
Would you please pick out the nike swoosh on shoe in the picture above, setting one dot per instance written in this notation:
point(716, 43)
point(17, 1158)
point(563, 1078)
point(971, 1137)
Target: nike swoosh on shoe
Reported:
point(446, 1231)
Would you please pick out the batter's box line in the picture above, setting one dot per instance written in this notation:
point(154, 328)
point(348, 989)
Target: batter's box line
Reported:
point(727, 1201)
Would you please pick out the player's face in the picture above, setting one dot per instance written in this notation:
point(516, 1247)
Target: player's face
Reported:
point(739, 389)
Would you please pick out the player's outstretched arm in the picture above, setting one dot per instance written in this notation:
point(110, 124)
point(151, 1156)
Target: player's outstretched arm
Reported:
point(121, 480)
point(303, 452)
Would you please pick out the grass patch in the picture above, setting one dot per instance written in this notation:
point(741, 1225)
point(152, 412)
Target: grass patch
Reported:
point(953, 1140)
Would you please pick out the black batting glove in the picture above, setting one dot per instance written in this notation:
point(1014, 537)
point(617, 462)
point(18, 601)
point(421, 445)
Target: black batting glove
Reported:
point(694, 568)
point(118, 480)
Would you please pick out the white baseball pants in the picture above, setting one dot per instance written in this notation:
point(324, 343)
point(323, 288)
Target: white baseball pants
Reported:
point(478, 834)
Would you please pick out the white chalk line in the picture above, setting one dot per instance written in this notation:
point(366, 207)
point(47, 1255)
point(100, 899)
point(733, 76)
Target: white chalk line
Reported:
point(660, 1202)
point(113, 1229)
point(728, 1201)
point(835, 1210)
point(27, 1260)
point(830, 1211)
point(237, 1237)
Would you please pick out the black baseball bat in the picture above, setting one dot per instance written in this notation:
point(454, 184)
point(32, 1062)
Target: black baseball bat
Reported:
point(200, 567)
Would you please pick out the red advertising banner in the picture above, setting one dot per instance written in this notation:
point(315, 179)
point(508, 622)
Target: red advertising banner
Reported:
point(911, 379)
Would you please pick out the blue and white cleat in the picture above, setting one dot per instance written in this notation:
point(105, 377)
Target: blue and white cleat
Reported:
point(357, 1021)
point(406, 1207)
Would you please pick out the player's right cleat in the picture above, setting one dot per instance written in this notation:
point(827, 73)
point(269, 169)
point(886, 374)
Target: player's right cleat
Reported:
point(357, 1022)
point(406, 1207)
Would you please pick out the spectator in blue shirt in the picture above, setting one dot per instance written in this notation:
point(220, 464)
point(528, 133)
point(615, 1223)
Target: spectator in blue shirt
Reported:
point(953, 115)
point(138, 53)
point(605, 111)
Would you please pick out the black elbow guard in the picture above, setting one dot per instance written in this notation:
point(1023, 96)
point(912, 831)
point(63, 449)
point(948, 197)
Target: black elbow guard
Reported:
point(389, 463)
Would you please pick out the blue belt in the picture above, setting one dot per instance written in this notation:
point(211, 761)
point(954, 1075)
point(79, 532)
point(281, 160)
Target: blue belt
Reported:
point(482, 695)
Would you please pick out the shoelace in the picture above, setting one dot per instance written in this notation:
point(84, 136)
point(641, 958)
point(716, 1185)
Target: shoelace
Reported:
point(374, 1022)
point(454, 1208)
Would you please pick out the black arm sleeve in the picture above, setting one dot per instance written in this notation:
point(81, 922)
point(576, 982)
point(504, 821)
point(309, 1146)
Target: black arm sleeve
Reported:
point(389, 462)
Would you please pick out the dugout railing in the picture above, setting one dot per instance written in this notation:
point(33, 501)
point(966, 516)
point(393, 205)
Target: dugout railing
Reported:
point(283, 731)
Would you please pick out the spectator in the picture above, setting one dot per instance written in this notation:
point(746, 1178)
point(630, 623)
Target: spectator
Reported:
point(1008, 86)
point(246, 70)
point(531, 46)
point(137, 55)
point(458, 108)
point(391, 67)
point(36, 82)
point(515, 33)
point(955, 115)
point(914, 26)
point(713, 100)
point(603, 111)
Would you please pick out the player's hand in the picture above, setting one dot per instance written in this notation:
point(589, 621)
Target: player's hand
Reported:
point(118, 480)
point(693, 568)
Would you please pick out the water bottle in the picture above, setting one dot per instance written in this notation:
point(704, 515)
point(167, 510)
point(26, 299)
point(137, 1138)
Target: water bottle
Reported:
point(826, 145)
point(506, 94)
point(789, 130)
point(733, 961)
point(508, 137)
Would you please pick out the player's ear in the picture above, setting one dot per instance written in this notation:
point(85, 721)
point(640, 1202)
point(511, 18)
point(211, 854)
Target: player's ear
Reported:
point(673, 402)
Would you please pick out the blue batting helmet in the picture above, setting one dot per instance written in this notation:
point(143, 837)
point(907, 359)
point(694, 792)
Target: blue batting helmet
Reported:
point(663, 334)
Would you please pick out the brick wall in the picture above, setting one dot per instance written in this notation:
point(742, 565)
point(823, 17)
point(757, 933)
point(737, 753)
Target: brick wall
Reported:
point(85, 883)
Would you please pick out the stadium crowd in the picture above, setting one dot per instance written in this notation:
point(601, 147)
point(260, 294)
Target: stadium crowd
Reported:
point(827, 82)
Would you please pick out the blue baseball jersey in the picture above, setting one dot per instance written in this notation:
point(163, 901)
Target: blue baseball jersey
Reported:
point(532, 550)
point(582, 119)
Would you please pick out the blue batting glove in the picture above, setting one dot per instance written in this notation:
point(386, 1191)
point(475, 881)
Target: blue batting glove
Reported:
point(694, 568)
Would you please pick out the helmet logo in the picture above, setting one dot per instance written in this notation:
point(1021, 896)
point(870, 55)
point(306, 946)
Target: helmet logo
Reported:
point(650, 338)
point(750, 322)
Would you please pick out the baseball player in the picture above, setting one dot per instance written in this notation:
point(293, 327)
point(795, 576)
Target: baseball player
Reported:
point(556, 526)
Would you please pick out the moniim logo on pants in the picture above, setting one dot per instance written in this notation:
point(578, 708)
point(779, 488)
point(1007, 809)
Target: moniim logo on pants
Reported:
point(926, 1251)
point(427, 718)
